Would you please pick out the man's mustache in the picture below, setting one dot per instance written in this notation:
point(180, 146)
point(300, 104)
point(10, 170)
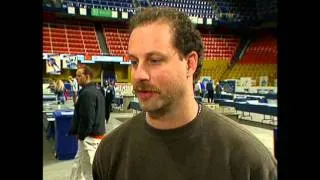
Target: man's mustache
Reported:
point(145, 87)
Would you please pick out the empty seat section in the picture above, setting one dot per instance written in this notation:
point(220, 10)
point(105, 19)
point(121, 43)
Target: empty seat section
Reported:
point(73, 38)
point(259, 59)
point(78, 41)
point(261, 51)
point(54, 39)
point(93, 50)
point(47, 49)
point(76, 45)
point(59, 44)
point(77, 49)
point(219, 46)
point(116, 40)
point(90, 40)
point(214, 68)
point(91, 46)
point(89, 37)
point(46, 43)
point(61, 35)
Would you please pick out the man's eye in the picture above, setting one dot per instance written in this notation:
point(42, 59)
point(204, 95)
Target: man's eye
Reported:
point(155, 61)
point(134, 62)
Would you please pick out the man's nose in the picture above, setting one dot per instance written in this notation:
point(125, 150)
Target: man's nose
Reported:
point(140, 73)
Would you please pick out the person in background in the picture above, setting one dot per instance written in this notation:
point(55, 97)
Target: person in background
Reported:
point(108, 94)
point(74, 88)
point(59, 91)
point(209, 88)
point(197, 89)
point(118, 96)
point(88, 123)
point(218, 90)
point(203, 89)
point(174, 137)
point(52, 85)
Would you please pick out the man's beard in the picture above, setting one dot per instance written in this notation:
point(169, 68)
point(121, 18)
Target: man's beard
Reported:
point(165, 101)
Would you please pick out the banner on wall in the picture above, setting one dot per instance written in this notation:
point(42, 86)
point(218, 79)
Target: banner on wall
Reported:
point(69, 61)
point(107, 58)
point(53, 64)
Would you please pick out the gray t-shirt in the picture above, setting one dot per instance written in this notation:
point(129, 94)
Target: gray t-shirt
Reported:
point(211, 146)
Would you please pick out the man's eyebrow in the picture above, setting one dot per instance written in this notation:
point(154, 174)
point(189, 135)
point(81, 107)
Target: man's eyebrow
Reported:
point(132, 56)
point(148, 54)
point(155, 53)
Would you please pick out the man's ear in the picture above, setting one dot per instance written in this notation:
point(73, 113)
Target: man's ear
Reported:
point(192, 62)
point(88, 77)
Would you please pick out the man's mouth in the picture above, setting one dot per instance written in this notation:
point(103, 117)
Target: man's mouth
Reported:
point(145, 95)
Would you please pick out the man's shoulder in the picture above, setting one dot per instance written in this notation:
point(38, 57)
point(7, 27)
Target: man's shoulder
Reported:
point(234, 136)
point(219, 121)
point(91, 89)
point(244, 149)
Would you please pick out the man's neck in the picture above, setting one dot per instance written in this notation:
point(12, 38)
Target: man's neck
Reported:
point(87, 83)
point(181, 114)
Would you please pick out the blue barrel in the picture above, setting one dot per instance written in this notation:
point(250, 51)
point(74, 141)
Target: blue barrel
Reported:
point(66, 145)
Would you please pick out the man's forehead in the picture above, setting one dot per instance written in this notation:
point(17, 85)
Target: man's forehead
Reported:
point(159, 22)
point(150, 39)
point(79, 71)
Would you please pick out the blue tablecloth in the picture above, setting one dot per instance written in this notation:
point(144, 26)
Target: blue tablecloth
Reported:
point(257, 108)
point(260, 108)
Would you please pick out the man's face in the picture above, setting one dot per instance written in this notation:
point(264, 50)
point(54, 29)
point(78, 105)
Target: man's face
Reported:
point(158, 74)
point(81, 77)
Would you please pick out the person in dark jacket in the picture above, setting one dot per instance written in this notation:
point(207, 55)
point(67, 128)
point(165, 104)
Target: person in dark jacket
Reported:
point(88, 123)
point(210, 90)
point(109, 96)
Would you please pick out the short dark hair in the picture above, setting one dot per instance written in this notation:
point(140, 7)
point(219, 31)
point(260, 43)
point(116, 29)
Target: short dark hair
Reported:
point(86, 70)
point(186, 37)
